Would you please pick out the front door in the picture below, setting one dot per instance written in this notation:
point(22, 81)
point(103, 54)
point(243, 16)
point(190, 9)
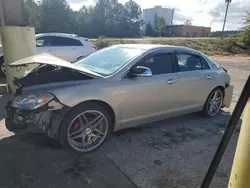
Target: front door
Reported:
point(148, 97)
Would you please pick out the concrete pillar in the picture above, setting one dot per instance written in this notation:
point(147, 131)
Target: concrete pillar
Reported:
point(18, 43)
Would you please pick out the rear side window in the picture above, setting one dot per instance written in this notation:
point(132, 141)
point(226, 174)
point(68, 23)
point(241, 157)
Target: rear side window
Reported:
point(43, 41)
point(159, 63)
point(205, 65)
point(190, 62)
point(63, 41)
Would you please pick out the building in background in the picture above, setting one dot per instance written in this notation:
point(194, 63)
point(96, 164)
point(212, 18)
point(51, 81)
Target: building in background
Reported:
point(150, 13)
point(188, 31)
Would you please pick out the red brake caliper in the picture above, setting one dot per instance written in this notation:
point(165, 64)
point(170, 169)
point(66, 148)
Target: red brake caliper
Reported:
point(76, 126)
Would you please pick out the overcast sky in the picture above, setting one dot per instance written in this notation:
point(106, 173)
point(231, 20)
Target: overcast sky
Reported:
point(201, 12)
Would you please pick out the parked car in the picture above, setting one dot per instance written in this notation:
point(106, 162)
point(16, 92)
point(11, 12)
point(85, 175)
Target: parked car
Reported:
point(69, 47)
point(115, 88)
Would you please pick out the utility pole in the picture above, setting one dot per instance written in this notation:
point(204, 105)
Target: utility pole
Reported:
point(225, 19)
point(18, 40)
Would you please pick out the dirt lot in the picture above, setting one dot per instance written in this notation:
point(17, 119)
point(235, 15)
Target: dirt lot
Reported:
point(172, 153)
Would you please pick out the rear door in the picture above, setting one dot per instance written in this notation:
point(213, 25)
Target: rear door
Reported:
point(67, 48)
point(44, 45)
point(195, 79)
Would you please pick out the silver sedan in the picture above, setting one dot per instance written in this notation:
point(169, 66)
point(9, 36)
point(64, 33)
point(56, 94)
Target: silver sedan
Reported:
point(115, 88)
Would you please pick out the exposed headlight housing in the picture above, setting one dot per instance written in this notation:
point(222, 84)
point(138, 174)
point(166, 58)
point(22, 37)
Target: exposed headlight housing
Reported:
point(32, 101)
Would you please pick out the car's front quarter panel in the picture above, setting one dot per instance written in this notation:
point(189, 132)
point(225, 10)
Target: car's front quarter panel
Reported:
point(73, 93)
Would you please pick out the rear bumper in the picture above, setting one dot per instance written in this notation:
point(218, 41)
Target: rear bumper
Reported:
point(228, 96)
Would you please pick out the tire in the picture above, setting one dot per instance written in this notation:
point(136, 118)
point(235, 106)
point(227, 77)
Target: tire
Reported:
point(213, 103)
point(76, 130)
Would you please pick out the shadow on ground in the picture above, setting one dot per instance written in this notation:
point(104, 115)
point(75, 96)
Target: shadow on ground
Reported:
point(34, 161)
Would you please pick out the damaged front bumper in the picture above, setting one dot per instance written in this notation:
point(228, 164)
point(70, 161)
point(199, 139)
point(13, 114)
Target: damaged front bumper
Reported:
point(45, 119)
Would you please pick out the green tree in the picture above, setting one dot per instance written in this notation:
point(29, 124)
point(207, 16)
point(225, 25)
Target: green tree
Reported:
point(55, 16)
point(188, 22)
point(134, 17)
point(107, 17)
point(246, 30)
point(160, 26)
point(149, 31)
point(32, 11)
point(83, 23)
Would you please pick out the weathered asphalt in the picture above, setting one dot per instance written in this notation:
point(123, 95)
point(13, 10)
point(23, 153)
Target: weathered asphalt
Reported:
point(172, 153)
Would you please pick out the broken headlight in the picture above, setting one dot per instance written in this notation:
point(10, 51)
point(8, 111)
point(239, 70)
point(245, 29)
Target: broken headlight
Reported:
point(31, 101)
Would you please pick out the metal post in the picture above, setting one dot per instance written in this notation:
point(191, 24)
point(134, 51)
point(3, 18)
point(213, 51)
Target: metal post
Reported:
point(241, 166)
point(227, 135)
point(225, 19)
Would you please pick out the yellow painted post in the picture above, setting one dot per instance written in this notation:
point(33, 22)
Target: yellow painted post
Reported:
point(18, 43)
point(240, 173)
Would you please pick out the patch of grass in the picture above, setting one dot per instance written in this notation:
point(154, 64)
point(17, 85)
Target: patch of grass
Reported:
point(210, 46)
point(207, 52)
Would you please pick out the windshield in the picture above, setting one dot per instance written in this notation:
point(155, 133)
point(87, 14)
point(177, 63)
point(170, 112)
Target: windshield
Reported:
point(109, 60)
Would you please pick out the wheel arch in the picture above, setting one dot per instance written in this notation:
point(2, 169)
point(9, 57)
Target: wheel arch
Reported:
point(99, 102)
point(219, 87)
point(107, 107)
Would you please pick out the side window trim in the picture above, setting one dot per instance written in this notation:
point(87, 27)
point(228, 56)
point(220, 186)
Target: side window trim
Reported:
point(49, 38)
point(174, 65)
point(205, 62)
point(65, 38)
point(154, 54)
point(190, 53)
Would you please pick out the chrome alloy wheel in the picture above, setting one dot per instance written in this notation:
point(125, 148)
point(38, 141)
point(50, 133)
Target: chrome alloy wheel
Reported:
point(87, 131)
point(215, 102)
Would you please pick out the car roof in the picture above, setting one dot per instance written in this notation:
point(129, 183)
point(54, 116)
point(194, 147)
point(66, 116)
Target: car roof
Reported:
point(156, 47)
point(69, 35)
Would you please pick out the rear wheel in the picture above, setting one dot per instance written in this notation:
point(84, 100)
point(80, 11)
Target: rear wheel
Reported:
point(85, 127)
point(214, 103)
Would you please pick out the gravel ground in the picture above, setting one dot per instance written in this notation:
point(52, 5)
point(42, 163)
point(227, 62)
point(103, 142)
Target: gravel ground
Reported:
point(171, 153)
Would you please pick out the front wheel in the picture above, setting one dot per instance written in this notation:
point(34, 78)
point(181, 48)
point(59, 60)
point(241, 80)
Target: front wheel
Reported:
point(214, 103)
point(85, 127)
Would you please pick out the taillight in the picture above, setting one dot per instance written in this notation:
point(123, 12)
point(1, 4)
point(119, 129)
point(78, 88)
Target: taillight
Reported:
point(95, 47)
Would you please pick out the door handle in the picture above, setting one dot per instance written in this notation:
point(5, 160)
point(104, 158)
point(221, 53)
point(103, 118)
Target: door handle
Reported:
point(171, 81)
point(209, 77)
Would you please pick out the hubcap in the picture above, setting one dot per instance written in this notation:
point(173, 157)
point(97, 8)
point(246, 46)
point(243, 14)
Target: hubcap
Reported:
point(87, 131)
point(215, 102)
point(3, 68)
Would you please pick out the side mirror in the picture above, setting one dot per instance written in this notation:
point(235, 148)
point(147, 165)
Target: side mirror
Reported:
point(140, 71)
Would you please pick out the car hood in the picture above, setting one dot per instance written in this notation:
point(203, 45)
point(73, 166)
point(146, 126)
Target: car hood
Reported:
point(52, 60)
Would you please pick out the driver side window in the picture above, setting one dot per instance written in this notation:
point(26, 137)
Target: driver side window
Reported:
point(159, 63)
